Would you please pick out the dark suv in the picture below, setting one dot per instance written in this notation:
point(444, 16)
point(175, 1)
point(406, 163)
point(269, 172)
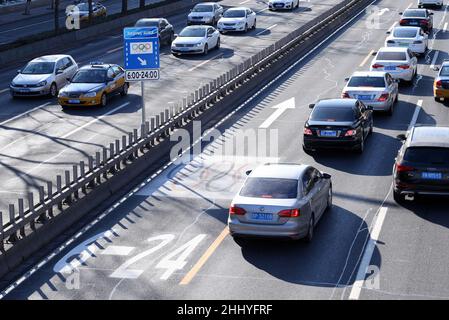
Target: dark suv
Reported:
point(422, 164)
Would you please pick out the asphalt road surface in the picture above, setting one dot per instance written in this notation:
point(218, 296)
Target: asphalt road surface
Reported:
point(39, 140)
point(168, 240)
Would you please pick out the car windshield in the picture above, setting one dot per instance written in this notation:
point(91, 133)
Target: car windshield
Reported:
point(272, 188)
point(203, 8)
point(193, 32)
point(147, 23)
point(376, 82)
point(414, 13)
point(444, 71)
point(387, 56)
point(405, 33)
point(89, 76)
point(332, 114)
point(429, 155)
point(234, 14)
point(39, 68)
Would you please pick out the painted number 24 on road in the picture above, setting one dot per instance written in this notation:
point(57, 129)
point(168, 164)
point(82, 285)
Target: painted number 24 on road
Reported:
point(138, 75)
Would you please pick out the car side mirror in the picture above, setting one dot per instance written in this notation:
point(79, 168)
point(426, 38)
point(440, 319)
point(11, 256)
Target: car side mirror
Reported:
point(401, 137)
point(374, 53)
point(175, 35)
point(388, 32)
point(400, 13)
point(19, 71)
point(431, 13)
point(248, 172)
point(326, 176)
point(346, 79)
point(436, 68)
point(311, 106)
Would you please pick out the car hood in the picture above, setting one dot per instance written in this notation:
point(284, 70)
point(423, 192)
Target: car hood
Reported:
point(330, 124)
point(82, 87)
point(232, 20)
point(201, 14)
point(188, 40)
point(30, 78)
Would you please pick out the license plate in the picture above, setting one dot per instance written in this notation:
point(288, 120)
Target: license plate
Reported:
point(413, 23)
point(327, 133)
point(390, 68)
point(24, 90)
point(364, 97)
point(74, 101)
point(278, 5)
point(403, 44)
point(262, 216)
point(432, 175)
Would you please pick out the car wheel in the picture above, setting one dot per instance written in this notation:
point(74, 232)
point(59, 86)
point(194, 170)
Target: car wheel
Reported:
point(399, 198)
point(103, 100)
point(390, 110)
point(217, 46)
point(371, 127)
point(172, 37)
point(125, 88)
point(254, 24)
point(306, 150)
point(361, 146)
point(246, 28)
point(297, 4)
point(396, 99)
point(213, 22)
point(206, 49)
point(309, 235)
point(53, 90)
point(329, 199)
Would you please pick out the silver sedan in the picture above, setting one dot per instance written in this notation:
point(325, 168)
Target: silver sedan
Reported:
point(280, 200)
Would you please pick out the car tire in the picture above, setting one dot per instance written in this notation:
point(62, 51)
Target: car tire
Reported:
point(361, 147)
point(125, 88)
point(103, 100)
point(172, 38)
point(246, 28)
point(217, 46)
point(254, 24)
point(437, 99)
point(397, 98)
point(206, 49)
point(329, 198)
point(297, 4)
point(213, 22)
point(306, 150)
point(390, 110)
point(309, 237)
point(371, 128)
point(399, 198)
point(53, 90)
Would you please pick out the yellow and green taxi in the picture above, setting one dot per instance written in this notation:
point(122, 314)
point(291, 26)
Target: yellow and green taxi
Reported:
point(81, 11)
point(441, 82)
point(91, 85)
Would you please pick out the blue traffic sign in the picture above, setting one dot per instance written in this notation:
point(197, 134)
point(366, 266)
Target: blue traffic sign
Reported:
point(141, 48)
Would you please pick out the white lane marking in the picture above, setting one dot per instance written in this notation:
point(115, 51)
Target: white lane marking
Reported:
point(370, 54)
point(416, 113)
point(204, 62)
point(265, 30)
point(381, 12)
point(262, 10)
point(445, 27)
point(117, 250)
point(115, 49)
point(392, 27)
point(90, 225)
point(408, 7)
point(369, 250)
point(4, 90)
point(25, 113)
point(280, 109)
point(434, 60)
point(246, 1)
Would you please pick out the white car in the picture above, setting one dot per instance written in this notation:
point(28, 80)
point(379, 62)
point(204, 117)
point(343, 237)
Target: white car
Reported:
point(196, 39)
point(43, 76)
point(436, 3)
point(205, 13)
point(283, 4)
point(237, 19)
point(400, 63)
point(413, 38)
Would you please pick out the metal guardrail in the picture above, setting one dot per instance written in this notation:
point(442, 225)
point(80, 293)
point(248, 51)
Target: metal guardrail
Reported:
point(85, 176)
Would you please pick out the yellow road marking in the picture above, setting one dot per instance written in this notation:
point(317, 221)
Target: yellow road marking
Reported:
point(196, 268)
point(366, 58)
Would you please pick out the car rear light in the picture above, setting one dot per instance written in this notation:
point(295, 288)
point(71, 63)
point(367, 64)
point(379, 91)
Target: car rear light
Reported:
point(402, 168)
point(402, 21)
point(425, 22)
point(345, 95)
point(289, 213)
point(351, 133)
point(391, 41)
point(438, 84)
point(307, 132)
point(384, 97)
point(404, 66)
point(376, 66)
point(237, 211)
point(417, 42)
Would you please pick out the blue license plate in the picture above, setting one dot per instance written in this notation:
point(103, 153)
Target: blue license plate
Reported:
point(364, 97)
point(390, 68)
point(262, 216)
point(413, 23)
point(327, 133)
point(432, 175)
point(74, 101)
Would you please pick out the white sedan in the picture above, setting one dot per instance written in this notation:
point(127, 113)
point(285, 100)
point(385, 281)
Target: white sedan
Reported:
point(237, 19)
point(196, 39)
point(283, 4)
point(413, 38)
point(400, 63)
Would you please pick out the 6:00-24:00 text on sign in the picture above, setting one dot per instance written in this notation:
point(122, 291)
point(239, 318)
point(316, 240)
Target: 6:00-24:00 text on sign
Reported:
point(138, 75)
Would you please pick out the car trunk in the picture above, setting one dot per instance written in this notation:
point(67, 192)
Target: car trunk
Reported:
point(331, 130)
point(263, 211)
point(365, 93)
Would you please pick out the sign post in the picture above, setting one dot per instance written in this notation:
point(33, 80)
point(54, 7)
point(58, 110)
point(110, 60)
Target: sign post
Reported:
point(141, 57)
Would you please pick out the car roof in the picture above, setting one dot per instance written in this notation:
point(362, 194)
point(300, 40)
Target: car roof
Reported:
point(150, 19)
point(349, 103)
point(208, 3)
point(237, 8)
point(198, 27)
point(279, 170)
point(415, 9)
point(429, 136)
point(368, 74)
point(50, 58)
point(393, 49)
point(98, 66)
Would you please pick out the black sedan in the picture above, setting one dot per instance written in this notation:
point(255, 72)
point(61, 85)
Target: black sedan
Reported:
point(338, 123)
point(417, 18)
point(166, 30)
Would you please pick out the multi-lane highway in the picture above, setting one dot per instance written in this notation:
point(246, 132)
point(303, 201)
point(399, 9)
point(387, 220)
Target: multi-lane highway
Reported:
point(168, 239)
point(39, 140)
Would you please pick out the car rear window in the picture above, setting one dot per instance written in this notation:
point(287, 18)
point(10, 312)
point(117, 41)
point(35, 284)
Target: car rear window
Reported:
point(429, 155)
point(147, 23)
point(385, 55)
point(444, 71)
point(271, 188)
point(404, 33)
point(333, 114)
point(414, 13)
point(376, 82)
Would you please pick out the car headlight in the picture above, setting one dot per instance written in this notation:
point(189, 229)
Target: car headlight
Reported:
point(12, 84)
point(63, 94)
point(199, 44)
point(90, 94)
point(241, 23)
point(42, 83)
